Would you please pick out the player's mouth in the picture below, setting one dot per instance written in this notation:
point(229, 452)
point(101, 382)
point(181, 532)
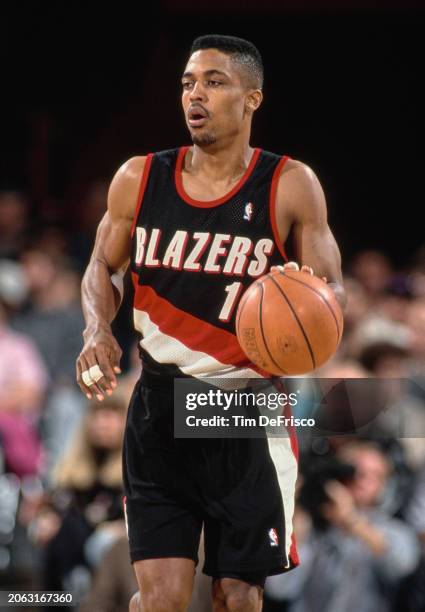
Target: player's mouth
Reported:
point(197, 116)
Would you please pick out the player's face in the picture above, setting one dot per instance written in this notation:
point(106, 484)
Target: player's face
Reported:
point(214, 97)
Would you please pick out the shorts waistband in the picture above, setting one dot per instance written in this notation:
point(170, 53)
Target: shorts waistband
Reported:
point(157, 381)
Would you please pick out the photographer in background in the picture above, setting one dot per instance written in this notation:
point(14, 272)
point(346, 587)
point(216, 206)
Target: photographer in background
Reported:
point(353, 553)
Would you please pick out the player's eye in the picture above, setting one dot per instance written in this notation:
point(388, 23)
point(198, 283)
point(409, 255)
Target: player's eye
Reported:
point(214, 83)
point(187, 85)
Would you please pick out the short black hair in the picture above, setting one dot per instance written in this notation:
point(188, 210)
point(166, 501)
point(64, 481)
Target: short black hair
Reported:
point(242, 52)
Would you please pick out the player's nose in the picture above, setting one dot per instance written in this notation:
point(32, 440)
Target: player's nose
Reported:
point(197, 92)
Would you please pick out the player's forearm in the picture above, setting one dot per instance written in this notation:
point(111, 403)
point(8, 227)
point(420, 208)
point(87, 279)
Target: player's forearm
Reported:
point(100, 299)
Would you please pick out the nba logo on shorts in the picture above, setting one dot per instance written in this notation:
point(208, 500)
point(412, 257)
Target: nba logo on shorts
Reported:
point(249, 209)
point(274, 540)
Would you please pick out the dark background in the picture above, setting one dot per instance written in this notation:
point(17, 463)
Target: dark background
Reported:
point(87, 86)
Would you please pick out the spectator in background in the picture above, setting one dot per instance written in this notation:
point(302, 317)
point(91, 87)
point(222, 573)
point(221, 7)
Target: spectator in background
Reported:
point(381, 408)
point(374, 271)
point(23, 383)
point(416, 323)
point(54, 321)
point(84, 514)
point(13, 224)
point(404, 416)
point(53, 315)
point(52, 240)
point(415, 511)
point(359, 558)
point(114, 583)
point(411, 597)
point(395, 300)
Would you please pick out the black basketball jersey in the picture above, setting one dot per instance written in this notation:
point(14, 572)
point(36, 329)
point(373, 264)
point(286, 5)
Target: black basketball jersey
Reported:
point(192, 260)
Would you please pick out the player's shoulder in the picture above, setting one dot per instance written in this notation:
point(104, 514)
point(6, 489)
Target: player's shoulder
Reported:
point(297, 179)
point(135, 165)
point(298, 171)
point(299, 192)
point(124, 187)
point(290, 171)
point(130, 170)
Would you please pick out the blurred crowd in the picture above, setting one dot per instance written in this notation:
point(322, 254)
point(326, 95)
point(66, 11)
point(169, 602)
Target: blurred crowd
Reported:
point(360, 512)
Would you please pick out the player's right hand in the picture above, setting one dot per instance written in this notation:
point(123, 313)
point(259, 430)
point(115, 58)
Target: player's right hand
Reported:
point(101, 350)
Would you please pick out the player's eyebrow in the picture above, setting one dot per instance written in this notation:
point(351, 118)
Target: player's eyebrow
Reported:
point(207, 73)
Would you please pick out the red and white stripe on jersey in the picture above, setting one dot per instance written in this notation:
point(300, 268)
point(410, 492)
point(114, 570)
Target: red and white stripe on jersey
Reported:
point(196, 347)
point(284, 454)
point(286, 466)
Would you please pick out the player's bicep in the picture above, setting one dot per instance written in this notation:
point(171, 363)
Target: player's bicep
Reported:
point(315, 246)
point(113, 242)
point(303, 206)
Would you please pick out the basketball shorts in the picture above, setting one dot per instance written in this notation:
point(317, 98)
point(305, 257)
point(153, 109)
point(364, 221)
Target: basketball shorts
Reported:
point(240, 491)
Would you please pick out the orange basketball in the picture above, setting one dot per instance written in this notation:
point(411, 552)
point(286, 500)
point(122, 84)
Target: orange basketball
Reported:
point(289, 322)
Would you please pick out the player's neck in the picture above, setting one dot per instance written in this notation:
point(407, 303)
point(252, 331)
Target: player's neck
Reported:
point(219, 163)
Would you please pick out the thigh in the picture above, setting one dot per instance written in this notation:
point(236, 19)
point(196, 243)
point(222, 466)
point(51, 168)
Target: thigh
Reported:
point(162, 519)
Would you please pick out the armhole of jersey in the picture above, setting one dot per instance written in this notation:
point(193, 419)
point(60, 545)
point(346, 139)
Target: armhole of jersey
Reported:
point(272, 204)
point(142, 188)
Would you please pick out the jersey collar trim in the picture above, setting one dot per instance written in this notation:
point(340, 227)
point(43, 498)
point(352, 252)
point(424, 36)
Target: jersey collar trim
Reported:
point(211, 203)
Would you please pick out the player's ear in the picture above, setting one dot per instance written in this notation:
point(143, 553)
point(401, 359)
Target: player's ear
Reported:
point(253, 100)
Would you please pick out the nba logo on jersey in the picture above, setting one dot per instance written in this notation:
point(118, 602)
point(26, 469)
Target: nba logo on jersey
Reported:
point(249, 209)
point(274, 540)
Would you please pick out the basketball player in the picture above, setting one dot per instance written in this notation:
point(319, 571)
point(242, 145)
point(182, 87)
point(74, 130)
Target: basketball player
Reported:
point(198, 225)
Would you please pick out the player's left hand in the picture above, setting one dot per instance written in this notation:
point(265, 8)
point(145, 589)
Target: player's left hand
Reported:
point(292, 265)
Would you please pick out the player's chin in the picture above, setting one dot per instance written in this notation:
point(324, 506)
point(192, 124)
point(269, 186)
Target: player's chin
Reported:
point(202, 138)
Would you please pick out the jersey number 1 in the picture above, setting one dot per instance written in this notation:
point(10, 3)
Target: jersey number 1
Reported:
point(233, 291)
